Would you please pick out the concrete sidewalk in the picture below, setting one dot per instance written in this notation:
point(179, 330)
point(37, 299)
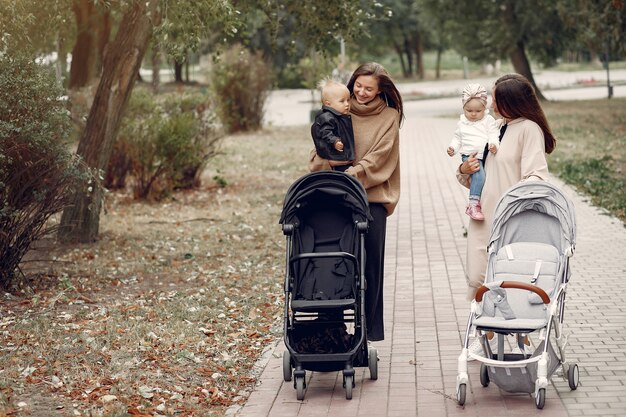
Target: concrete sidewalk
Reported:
point(426, 312)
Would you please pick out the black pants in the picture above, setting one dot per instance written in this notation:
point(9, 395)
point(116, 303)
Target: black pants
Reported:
point(374, 272)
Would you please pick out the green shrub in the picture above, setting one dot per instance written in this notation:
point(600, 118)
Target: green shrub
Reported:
point(241, 82)
point(164, 143)
point(37, 172)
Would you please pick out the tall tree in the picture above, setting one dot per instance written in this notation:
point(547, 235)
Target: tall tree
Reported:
point(80, 221)
point(400, 29)
point(604, 29)
point(486, 30)
point(434, 19)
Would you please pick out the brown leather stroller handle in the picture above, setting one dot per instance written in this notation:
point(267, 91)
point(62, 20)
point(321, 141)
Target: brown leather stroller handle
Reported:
point(516, 284)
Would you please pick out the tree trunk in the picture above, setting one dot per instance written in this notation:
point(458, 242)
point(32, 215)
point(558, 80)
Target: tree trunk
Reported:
point(438, 65)
point(103, 30)
point(400, 53)
point(419, 55)
point(58, 67)
point(178, 72)
point(80, 222)
point(156, 68)
point(409, 56)
point(522, 66)
point(83, 53)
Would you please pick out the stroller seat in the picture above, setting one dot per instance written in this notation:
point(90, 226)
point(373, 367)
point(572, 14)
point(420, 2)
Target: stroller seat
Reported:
point(326, 270)
point(518, 310)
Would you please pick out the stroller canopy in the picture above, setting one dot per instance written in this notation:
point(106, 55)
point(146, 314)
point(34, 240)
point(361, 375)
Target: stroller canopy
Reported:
point(325, 186)
point(536, 207)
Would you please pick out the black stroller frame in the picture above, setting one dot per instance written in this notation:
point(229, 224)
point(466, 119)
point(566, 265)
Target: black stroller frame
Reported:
point(316, 295)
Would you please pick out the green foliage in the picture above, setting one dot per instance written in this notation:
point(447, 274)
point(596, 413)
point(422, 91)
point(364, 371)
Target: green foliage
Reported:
point(37, 173)
point(186, 22)
point(604, 23)
point(316, 23)
point(598, 179)
point(487, 30)
point(164, 143)
point(241, 82)
point(22, 28)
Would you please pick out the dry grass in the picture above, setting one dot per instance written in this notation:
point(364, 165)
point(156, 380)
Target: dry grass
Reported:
point(167, 313)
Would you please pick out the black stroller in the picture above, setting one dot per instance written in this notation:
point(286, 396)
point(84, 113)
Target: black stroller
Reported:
point(325, 217)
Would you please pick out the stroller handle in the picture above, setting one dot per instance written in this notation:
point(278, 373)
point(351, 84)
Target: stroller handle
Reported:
point(515, 284)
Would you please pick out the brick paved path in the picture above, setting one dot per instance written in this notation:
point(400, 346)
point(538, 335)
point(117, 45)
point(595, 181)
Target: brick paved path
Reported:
point(426, 312)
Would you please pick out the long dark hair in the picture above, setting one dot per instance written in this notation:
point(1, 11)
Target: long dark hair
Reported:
point(388, 90)
point(515, 97)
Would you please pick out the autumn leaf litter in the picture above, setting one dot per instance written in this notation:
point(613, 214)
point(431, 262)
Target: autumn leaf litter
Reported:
point(168, 312)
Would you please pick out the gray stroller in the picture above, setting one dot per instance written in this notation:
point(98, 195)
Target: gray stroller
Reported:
point(532, 239)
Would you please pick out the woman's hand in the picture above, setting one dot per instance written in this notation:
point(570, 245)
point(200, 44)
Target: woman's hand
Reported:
point(471, 165)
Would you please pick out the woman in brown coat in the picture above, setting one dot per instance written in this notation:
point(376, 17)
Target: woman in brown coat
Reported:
point(376, 111)
point(525, 139)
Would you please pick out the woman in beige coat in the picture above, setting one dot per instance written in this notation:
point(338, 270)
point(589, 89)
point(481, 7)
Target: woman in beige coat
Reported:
point(376, 111)
point(525, 139)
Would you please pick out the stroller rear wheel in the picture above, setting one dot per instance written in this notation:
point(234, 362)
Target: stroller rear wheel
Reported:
point(484, 375)
point(287, 370)
point(572, 376)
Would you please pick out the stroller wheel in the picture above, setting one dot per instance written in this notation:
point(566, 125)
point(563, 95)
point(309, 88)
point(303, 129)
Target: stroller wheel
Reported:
point(299, 383)
point(348, 383)
point(460, 394)
point(372, 363)
point(287, 366)
point(572, 376)
point(540, 398)
point(484, 375)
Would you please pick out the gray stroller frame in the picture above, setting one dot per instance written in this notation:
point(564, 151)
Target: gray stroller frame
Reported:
point(532, 239)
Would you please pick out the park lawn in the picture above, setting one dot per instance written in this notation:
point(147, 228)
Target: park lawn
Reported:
point(591, 149)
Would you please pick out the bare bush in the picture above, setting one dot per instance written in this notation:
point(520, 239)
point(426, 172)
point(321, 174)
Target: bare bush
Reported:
point(241, 82)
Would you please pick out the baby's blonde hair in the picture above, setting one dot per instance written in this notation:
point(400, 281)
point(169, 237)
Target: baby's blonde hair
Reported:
point(326, 84)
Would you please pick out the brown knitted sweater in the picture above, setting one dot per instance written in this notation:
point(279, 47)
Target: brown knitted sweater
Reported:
point(377, 145)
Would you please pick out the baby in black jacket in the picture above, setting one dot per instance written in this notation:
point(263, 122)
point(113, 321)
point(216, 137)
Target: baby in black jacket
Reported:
point(332, 130)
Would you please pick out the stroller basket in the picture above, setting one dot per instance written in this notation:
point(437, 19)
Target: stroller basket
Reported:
point(521, 379)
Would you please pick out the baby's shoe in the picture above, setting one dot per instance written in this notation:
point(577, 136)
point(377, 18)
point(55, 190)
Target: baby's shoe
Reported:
point(474, 210)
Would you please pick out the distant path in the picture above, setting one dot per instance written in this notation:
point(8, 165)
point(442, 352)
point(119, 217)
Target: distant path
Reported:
point(292, 107)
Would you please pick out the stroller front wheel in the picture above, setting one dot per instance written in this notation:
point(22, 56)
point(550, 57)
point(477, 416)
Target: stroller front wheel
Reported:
point(540, 398)
point(300, 387)
point(348, 383)
point(460, 394)
point(572, 376)
point(372, 362)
